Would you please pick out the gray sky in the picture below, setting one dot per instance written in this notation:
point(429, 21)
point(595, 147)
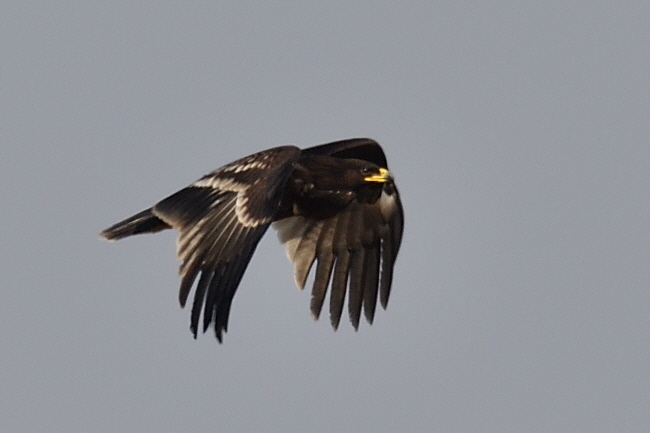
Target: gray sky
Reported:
point(519, 137)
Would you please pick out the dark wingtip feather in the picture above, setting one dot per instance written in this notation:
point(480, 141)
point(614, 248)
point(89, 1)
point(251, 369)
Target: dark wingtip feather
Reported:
point(339, 283)
point(188, 274)
point(386, 279)
point(321, 280)
point(199, 298)
point(335, 320)
point(371, 281)
point(356, 287)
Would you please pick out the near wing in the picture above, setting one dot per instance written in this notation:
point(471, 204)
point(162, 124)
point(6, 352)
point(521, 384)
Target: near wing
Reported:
point(355, 249)
point(220, 219)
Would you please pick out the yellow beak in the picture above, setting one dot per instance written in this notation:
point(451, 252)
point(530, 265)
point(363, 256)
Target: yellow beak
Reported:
point(383, 176)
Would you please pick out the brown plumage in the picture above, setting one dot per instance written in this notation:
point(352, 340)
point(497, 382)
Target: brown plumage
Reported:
point(333, 204)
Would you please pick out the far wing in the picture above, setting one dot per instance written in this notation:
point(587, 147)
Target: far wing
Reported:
point(358, 148)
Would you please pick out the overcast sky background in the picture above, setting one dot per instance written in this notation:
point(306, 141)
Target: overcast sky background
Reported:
point(519, 136)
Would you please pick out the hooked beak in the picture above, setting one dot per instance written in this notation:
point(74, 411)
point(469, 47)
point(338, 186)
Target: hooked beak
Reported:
point(382, 177)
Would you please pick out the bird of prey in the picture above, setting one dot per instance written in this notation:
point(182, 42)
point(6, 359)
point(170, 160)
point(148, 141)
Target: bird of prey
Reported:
point(335, 204)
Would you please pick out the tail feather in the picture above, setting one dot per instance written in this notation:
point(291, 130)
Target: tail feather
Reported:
point(143, 222)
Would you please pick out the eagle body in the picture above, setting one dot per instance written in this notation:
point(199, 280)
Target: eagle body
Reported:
point(333, 205)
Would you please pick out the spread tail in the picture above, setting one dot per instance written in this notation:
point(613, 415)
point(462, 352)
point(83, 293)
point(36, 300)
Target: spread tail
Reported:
point(143, 222)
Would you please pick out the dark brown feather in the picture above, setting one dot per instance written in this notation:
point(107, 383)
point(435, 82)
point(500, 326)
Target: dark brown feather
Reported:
point(333, 205)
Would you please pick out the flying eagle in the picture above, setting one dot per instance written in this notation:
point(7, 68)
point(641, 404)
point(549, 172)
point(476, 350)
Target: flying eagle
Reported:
point(335, 204)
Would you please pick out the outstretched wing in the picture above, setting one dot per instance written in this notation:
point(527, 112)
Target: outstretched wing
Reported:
point(220, 219)
point(355, 249)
